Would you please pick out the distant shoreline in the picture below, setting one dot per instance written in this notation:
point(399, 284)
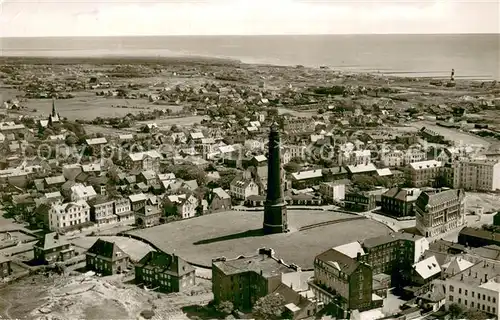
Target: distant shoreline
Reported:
point(199, 59)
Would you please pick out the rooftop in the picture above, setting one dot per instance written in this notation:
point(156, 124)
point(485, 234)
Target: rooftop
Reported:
point(261, 264)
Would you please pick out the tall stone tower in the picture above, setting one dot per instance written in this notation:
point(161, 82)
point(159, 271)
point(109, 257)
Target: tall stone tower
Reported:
point(275, 216)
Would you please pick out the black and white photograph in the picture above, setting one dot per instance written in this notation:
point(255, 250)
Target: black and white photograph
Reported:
point(249, 159)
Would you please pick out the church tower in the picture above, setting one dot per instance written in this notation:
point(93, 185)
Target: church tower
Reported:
point(275, 215)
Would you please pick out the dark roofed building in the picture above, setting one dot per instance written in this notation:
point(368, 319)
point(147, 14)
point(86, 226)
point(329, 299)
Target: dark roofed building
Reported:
point(52, 248)
point(246, 279)
point(166, 272)
point(343, 282)
point(106, 258)
point(398, 202)
point(475, 237)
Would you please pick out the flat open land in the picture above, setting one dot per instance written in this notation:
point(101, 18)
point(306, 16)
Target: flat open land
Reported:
point(454, 135)
point(235, 233)
point(88, 106)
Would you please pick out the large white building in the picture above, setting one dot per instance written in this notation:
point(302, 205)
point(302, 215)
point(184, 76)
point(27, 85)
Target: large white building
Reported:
point(81, 192)
point(332, 191)
point(476, 288)
point(67, 215)
point(480, 175)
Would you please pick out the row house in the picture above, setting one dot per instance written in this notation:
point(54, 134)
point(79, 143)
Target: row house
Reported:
point(123, 210)
point(69, 216)
point(102, 211)
point(137, 201)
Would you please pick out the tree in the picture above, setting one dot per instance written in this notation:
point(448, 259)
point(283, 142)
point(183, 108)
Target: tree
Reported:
point(455, 310)
point(475, 315)
point(364, 182)
point(292, 167)
point(269, 307)
point(225, 307)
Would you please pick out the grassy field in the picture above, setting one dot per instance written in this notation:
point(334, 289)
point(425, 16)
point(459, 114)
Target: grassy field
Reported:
point(231, 234)
point(87, 106)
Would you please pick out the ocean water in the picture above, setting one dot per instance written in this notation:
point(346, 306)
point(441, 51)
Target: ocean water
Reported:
point(475, 56)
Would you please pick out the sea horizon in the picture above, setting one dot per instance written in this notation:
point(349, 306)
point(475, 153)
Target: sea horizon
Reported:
point(474, 56)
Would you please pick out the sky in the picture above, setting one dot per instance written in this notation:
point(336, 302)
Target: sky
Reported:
point(72, 18)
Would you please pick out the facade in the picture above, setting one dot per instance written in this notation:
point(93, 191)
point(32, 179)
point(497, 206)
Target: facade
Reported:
point(106, 258)
point(275, 213)
point(218, 200)
point(477, 175)
point(148, 216)
point(305, 179)
point(5, 267)
point(147, 160)
point(439, 211)
point(425, 173)
point(360, 201)
point(52, 248)
point(81, 192)
point(137, 201)
point(343, 282)
point(246, 279)
point(398, 202)
point(69, 216)
point(164, 272)
point(102, 211)
point(123, 210)
point(183, 205)
point(475, 288)
point(242, 188)
point(332, 191)
point(475, 237)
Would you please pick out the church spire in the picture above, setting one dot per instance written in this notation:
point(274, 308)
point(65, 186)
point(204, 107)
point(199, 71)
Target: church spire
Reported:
point(54, 107)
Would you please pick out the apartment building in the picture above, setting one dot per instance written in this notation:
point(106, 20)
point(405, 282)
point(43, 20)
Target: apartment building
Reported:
point(82, 192)
point(106, 258)
point(242, 188)
point(246, 279)
point(147, 160)
point(69, 216)
point(475, 288)
point(398, 202)
point(343, 282)
point(123, 210)
point(424, 173)
point(332, 191)
point(477, 175)
point(439, 210)
point(102, 211)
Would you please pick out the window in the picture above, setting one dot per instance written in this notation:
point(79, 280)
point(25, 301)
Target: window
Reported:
point(488, 309)
point(494, 300)
point(459, 300)
point(484, 297)
point(465, 302)
point(472, 304)
point(451, 298)
point(466, 291)
point(452, 289)
point(483, 307)
point(494, 310)
point(489, 298)
point(459, 290)
point(473, 294)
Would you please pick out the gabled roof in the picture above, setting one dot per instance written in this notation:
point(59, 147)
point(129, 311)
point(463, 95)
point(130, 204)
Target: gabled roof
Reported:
point(166, 263)
point(138, 197)
point(96, 141)
point(139, 156)
point(370, 167)
point(310, 174)
point(51, 241)
point(339, 260)
point(221, 193)
point(351, 249)
point(427, 267)
point(426, 164)
point(55, 180)
point(106, 249)
point(457, 265)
